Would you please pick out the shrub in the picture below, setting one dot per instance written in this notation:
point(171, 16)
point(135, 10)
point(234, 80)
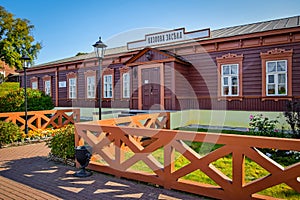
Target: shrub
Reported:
point(263, 126)
point(9, 133)
point(62, 144)
point(36, 100)
point(292, 115)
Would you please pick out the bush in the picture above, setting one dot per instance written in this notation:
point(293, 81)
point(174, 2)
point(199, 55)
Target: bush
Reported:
point(36, 100)
point(263, 126)
point(292, 115)
point(9, 133)
point(62, 144)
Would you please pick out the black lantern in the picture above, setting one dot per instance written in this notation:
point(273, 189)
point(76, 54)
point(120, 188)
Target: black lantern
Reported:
point(99, 48)
point(83, 156)
point(26, 61)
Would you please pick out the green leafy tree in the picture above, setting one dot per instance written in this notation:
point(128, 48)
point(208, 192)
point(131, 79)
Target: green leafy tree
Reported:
point(16, 39)
point(36, 100)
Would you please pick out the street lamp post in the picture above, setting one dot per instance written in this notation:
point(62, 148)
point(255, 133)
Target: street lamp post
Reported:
point(99, 48)
point(26, 60)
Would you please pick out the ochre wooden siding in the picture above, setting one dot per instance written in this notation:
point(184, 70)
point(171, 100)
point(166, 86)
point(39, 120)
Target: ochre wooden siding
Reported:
point(203, 78)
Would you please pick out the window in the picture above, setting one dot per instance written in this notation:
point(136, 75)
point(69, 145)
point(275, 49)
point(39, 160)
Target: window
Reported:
point(230, 77)
point(277, 74)
point(48, 87)
point(125, 81)
point(90, 84)
point(72, 85)
point(230, 82)
point(91, 87)
point(107, 85)
point(72, 88)
point(126, 85)
point(34, 85)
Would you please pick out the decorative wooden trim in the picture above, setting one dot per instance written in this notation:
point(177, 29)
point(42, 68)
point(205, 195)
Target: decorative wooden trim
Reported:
point(124, 69)
point(231, 56)
point(108, 71)
point(90, 73)
point(273, 55)
point(152, 62)
point(140, 84)
point(230, 59)
point(277, 51)
point(87, 74)
point(71, 75)
point(170, 58)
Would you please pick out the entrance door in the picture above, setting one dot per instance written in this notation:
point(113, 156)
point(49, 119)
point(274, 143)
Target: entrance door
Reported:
point(151, 89)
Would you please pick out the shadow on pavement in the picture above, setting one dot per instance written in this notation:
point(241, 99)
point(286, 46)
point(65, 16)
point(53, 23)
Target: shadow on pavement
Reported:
point(58, 180)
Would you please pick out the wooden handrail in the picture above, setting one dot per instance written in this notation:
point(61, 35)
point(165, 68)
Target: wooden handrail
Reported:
point(42, 119)
point(106, 140)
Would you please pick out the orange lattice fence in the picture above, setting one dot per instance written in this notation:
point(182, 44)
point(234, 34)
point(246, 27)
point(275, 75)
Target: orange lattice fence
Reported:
point(43, 119)
point(106, 141)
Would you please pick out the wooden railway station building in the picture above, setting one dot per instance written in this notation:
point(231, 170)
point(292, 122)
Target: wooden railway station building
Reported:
point(252, 67)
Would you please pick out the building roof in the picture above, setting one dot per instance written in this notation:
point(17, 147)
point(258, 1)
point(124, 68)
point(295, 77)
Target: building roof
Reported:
point(284, 23)
point(109, 51)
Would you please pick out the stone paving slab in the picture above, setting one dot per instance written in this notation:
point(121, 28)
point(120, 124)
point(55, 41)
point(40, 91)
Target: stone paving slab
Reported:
point(26, 173)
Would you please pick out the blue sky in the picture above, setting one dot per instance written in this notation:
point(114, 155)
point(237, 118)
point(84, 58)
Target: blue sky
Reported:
point(66, 27)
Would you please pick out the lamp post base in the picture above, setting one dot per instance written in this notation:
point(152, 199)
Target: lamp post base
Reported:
point(83, 173)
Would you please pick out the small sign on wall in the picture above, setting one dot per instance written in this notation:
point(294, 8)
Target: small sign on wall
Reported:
point(62, 84)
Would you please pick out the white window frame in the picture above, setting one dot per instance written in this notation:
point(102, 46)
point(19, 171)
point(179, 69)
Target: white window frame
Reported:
point(47, 87)
point(108, 86)
point(72, 88)
point(275, 75)
point(91, 87)
point(126, 85)
point(229, 77)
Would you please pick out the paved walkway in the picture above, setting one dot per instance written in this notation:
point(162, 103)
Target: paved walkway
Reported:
point(26, 173)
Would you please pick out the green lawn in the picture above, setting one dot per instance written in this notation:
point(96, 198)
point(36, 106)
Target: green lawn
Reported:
point(252, 172)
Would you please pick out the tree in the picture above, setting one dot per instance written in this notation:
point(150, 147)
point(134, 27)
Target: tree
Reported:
point(80, 53)
point(292, 115)
point(16, 39)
